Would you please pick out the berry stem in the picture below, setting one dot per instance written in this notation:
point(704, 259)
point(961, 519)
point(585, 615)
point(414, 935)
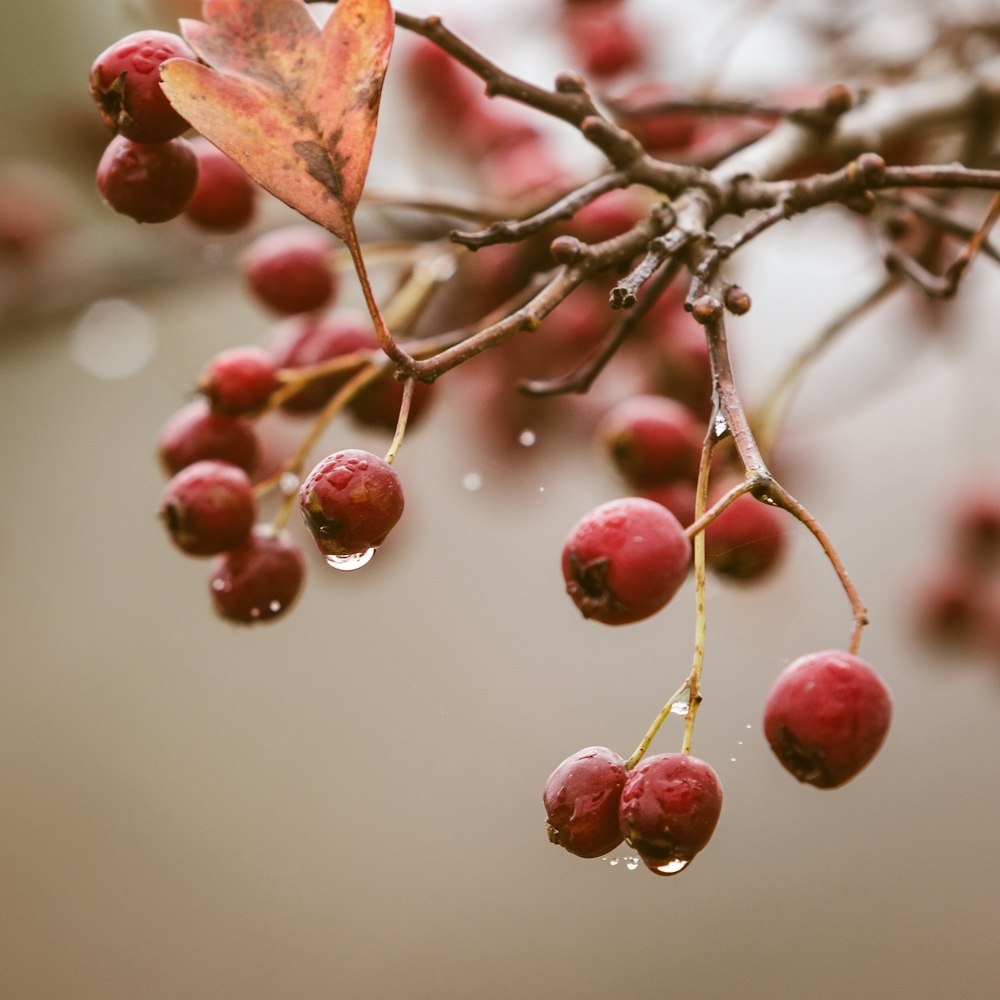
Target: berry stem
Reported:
point(643, 746)
point(404, 412)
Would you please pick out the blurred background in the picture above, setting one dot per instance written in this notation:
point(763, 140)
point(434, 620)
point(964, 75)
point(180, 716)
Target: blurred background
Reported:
point(347, 802)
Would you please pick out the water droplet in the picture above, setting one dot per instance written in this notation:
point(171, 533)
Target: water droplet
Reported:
point(541, 489)
point(631, 864)
point(613, 862)
point(740, 742)
point(289, 483)
point(354, 561)
point(680, 708)
point(673, 867)
point(749, 726)
point(721, 428)
point(732, 760)
point(274, 607)
point(218, 585)
point(527, 438)
point(472, 481)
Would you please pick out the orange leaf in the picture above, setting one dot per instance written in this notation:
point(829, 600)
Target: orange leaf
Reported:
point(294, 105)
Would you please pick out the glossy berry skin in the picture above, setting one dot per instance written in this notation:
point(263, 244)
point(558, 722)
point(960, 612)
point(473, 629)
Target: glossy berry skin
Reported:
point(259, 580)
point(581, 800)
point(350, 502)
point(149, 183)
point(304, 341)
point(225, 198)
point(747, 541)
point(624, 560)
point(239, 380)
point(678, 497)
point(125, 84)
point(669, 808)
point(208, 508)
point(194, 433)
point(289, 270)
point(826, 717)
point(651, 440)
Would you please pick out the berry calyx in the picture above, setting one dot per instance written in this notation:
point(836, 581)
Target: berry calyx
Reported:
point(259, 580)
point(148, 182)
point(581, 799)
point(289, 270)
point(624, 560)
point(239, 380)
point(194, 433)
point(225, 197)
point(669, 809)
point(208, 508)
point(350, 502)
point(826, 717)
point(125, 84)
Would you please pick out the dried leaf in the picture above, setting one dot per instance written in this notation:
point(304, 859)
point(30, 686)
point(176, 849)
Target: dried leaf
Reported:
point(294, 105)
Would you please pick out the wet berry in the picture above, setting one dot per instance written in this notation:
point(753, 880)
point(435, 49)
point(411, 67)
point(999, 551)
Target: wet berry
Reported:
point(747, 540)
point(125, 84)
point(624, 560)
point(669, 808)
point(194, 433)
point(259, 580)
point(652, 440)
point(208, 507)
point(826, 717)
point(581, 800)
point(239, 380)
point(225, 197)
point(304, 341)
point(678, 497)
point(350, 502)
point(290, 270)
point(149, 183)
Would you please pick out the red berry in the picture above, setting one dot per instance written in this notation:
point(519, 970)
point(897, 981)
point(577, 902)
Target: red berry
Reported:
point(610, 215)
point(377, 404)
point(225, 198)
point(652, 440)
point(195, 433)
point(950, 607)
point(747, 540)
point(977, 528)
point(304, 341)
point(125, 83)
point(581, 801)
point(259, 580)
point(239, 380)
point(669, 808)
point(660, 133)
point(678, 497)
point(290, 270)
point(350, 502)
point(209, 507)
point(603, 41)
point(624, 560)
point(149, 183)
point(826, 717)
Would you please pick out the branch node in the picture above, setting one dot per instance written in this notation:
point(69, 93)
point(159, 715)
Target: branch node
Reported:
point(706, 308)
point(567, 250)
point(568, 82)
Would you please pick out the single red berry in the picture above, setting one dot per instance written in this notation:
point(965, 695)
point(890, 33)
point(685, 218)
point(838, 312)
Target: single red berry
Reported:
point(603, 41)
point(290, 270)
point(194, 433)
point(581, 800)
point(259, 580)
point(624, 560)
point(208, 507)
point(977, 528)
point(148, 182)
point(951, 607)
point(826, 717)
point(304, 341)
point(652, 440)
point(667, 133)
point(669, 809)
point(225, 198)
point(239, 380)
point(678, 497)
point(350, 502)
point(125, 84)
point(610, 215)
point(747, 540)
point(377, 404)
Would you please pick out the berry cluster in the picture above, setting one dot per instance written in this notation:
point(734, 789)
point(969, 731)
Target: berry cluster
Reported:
point(148, 171)
point(958, 604)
